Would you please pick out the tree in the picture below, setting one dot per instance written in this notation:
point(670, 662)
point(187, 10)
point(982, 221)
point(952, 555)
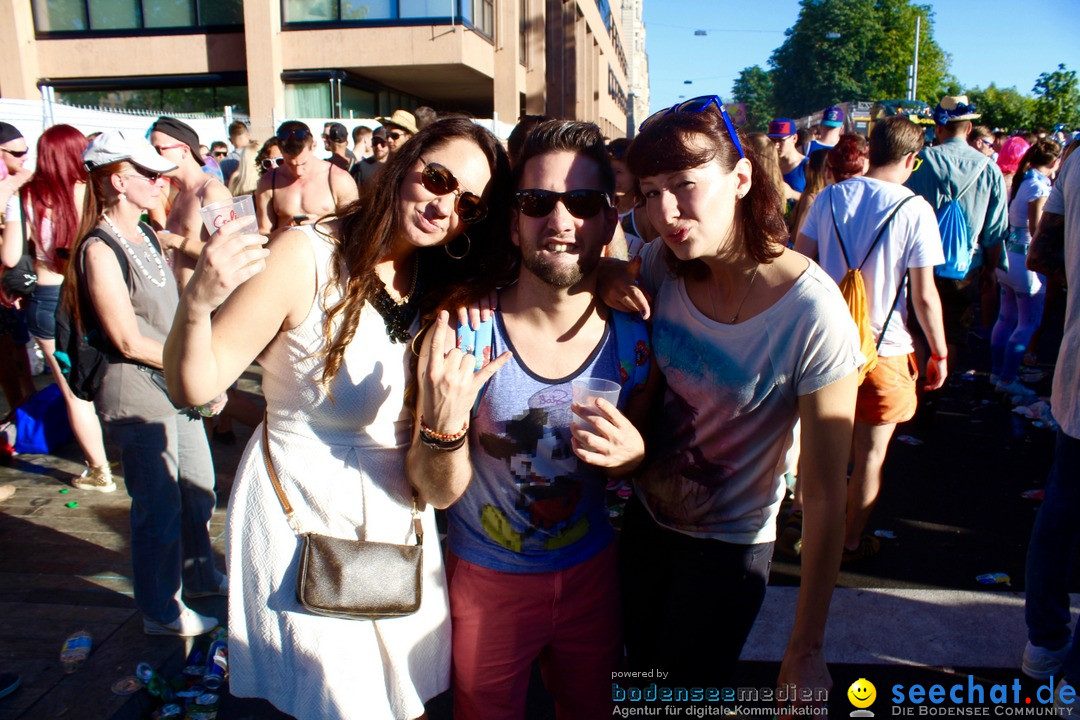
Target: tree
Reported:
point(1002, 108)
point(841, 50)
point(754, 89)
point(1057, 99)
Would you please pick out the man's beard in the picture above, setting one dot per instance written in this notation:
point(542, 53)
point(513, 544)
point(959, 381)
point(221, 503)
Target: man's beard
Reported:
point(558, 276)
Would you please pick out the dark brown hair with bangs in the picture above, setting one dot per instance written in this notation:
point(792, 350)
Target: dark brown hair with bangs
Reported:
point(665, 147)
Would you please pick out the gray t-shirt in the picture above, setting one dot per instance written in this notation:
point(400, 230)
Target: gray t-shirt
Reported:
point(716, 447)
point(128, 393)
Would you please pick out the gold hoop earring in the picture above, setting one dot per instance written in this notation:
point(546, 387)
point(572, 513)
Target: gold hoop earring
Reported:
point(468, 247)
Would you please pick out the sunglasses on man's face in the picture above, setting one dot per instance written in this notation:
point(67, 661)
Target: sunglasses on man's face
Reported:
point(219, 153)
point(271, 163)
point(438, 180)
point(300, 135)
point(379, 141)
point(395, 135)
point(582, 204)
point(699, 105)
point(15, 153)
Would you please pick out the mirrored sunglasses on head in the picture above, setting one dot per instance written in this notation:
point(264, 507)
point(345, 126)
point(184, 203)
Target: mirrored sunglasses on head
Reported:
point(699, 105)
point(438, 180)
point(582, 204)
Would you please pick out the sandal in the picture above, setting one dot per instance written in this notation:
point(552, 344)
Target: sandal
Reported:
point(869, 546)
point(789, 541)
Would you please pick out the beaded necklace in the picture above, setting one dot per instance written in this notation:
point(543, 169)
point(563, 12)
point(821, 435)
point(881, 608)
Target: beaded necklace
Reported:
point(397, 315)
point(148, 253)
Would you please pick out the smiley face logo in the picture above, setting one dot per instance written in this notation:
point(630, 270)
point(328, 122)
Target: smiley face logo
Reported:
point(862, 693)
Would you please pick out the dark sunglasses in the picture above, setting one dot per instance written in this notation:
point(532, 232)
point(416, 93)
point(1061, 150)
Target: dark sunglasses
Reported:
point(395, 135)
point(699, 105)
point(15, 153)
point(377, 141)
point(284, 135)
point(219, 153)
point(582, 204)
point(151, 176)
point(438, 180)
point(271, 163)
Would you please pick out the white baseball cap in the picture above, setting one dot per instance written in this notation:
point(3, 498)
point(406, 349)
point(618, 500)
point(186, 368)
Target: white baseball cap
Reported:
point(114, 146)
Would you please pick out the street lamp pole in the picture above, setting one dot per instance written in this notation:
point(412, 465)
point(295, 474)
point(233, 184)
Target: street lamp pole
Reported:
point(915, 61)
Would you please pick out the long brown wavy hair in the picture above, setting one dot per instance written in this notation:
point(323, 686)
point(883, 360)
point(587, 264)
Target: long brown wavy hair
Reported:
point(368, 227)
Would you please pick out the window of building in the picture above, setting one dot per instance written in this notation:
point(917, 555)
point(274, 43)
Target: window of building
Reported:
point(73, 16)
point(308, 100)
point(484, 16)
point(169, 100)
point(333, 11)
point(357, 103)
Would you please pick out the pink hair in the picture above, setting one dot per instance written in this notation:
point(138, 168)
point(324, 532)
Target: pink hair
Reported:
point(1011, 152)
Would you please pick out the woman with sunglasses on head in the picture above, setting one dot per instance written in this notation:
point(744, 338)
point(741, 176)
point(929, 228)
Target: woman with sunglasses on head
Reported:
point(118, 288)
point(302, 188)
point(330, 312)
point(52, 201)
point(750, 337)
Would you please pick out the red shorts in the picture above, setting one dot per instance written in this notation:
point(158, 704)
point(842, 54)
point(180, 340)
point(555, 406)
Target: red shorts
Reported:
point(570, 619)
point(887, 395)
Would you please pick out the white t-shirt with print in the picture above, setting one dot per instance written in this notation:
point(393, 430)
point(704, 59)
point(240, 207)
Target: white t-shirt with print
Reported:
point(716, 446)
point(911, 240)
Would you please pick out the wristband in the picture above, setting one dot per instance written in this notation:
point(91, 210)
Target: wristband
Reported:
point(938, 358)
point(440, 446)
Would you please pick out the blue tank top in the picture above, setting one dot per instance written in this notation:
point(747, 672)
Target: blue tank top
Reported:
point(532, 505)
point(797, 177)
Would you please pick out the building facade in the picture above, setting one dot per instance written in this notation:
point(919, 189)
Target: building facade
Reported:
point(637, 65)
point(276, 59)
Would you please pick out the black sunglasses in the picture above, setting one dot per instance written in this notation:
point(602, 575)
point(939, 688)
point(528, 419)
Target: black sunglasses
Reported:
point(271, 163)
point(437, 179)
point(15, 153)
point(582, 204)
point(395, 135)
point(299, 134)
point(699, 105)
point(151, 176)
point(219, 153)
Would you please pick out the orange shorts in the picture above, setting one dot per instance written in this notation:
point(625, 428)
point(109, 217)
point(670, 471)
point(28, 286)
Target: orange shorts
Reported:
point(887, 395)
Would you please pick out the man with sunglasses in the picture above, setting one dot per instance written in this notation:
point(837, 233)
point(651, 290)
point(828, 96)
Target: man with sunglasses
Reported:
point(399, 128)
point(531, 567)
point(304, 187)
point(783, 133)
point(365, 171)
point(185, 235)
point(876, 224)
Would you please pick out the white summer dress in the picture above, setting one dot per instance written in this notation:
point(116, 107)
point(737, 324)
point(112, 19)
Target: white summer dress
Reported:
point(342, 466)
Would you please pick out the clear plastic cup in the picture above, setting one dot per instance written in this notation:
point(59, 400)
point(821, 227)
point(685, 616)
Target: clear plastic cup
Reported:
point(240, 210)
point(586, 391)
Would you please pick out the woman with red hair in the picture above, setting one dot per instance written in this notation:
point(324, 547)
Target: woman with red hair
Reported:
point(52, 200)
point(847, 159)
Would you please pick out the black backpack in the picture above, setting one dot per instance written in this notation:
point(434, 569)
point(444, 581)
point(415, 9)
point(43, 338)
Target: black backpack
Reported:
point(85, 356)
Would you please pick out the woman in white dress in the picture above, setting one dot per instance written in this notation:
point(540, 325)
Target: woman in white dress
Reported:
point(329, 311)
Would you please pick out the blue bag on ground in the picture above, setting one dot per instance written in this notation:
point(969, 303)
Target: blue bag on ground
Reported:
point(42, 422)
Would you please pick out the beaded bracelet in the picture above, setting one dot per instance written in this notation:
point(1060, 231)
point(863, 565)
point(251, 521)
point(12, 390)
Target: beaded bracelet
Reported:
point(431, 434)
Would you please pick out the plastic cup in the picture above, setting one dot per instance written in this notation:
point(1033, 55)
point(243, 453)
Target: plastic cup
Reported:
point(586, 391)
point(240, 210)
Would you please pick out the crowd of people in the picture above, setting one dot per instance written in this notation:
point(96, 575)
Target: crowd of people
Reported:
point(427, 306)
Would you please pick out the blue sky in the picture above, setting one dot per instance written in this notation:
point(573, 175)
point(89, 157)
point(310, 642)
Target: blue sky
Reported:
point(1006, 42)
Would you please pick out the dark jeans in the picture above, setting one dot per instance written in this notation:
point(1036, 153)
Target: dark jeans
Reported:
point(688, 603)
point(1053, 544)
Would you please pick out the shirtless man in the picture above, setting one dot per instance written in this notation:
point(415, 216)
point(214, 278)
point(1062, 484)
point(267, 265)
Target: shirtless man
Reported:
point(304, 188)
point(185, 235)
